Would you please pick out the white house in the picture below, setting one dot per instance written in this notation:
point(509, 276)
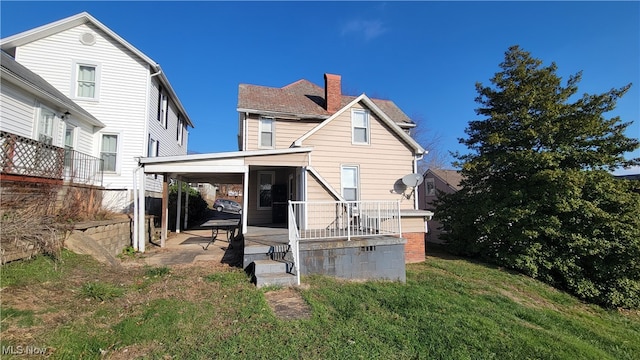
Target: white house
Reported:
point(33, 109)
point(116, 84)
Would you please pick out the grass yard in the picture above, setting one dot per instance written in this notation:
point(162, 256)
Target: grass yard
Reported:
point(449, 309)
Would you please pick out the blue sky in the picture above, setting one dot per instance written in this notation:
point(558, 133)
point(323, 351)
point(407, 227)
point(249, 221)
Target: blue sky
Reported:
point(425, 56)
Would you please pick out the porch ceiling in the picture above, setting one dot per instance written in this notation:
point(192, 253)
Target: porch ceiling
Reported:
point(212, 178)
point(222, 168)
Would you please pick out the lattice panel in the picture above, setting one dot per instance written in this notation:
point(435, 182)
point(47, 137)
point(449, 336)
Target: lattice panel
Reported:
point(24, 156)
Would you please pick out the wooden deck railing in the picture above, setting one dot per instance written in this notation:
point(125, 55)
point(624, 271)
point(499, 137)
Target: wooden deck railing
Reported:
point(20, 155)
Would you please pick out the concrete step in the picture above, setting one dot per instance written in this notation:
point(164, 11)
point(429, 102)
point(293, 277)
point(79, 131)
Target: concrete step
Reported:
point(282, 279)
point(253, 253)
point(264, 267)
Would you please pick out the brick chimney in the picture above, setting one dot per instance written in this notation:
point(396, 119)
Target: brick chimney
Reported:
point(332, 92)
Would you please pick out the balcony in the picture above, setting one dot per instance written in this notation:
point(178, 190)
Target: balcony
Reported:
point(32, 158)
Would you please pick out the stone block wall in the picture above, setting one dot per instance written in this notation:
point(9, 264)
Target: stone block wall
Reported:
point(114, 235)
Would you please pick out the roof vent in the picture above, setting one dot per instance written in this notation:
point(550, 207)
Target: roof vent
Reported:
point(88, 38)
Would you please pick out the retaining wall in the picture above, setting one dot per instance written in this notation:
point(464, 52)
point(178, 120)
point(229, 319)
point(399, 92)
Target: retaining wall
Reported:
point(114, 235)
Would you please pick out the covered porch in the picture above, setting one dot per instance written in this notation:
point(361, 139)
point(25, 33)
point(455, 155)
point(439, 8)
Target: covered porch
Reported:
point(269, 178)
point(281, 231)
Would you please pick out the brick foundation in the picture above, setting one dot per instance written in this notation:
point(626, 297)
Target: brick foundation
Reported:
point(414, 249)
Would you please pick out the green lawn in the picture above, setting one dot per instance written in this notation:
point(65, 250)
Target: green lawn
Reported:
point(448, 309)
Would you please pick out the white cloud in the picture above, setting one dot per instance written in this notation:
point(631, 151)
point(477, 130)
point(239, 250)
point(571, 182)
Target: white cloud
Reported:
point(628, 171)
point(369, 29)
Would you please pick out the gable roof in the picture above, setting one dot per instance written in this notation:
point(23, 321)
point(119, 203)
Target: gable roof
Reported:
point(376, 110)
point(305, 100)
point(453, 178)
point(10, 43)
point(17, 74)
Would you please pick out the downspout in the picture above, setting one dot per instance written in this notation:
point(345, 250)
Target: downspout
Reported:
point(416, 158)
point(244, 131)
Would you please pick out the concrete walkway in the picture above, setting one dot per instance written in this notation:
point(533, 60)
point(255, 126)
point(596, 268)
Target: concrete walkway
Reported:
point(189, 246)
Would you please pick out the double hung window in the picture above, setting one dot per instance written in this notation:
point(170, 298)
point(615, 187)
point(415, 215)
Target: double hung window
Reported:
point(266, 133)
point(349, 180)
point(86, 81)
point(360, 126)
point(46, 123)
point(109, 152)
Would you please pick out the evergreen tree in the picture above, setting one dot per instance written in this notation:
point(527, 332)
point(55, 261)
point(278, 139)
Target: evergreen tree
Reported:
point(537, 195)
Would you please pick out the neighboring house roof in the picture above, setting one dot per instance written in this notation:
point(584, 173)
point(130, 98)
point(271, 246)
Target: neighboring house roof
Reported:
point(453, 178)
point(14, 72)
point(303, 99)
point(10, 43)
point(629, 177)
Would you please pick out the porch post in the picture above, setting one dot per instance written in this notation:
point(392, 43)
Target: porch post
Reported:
point(165, 209)
point(186, 207)
point(136, 218)
point(178, 206)
point(245, 199)
point(142, 239)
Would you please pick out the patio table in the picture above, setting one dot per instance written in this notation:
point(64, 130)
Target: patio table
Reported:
point(216, 225)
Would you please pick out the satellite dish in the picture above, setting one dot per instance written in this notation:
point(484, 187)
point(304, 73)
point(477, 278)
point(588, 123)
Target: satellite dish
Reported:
point(412, 180)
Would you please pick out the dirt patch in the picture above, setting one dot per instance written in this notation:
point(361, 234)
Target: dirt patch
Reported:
point(287, 304)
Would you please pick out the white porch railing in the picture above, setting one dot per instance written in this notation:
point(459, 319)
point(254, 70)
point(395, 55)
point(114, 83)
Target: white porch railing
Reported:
point(294, 241)
point(345, 219)
point(309, 220)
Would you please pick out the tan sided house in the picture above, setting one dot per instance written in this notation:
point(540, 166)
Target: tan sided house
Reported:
point(326, 165)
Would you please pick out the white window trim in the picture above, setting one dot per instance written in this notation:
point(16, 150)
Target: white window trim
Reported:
point(273, 133)
point(153, 147)
point(54, 126)
point(74, 80)
point(180, 131)
point(74, 135)
point(273, 178)
point(368, 128)
point(164, 116)
point(118, 150)
point(357, 167)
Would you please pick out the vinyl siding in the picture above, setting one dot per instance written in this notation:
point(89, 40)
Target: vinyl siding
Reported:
point(126, 102)
point(286, 131)
point(122, 89)
point(167, 137)
point(84, 136)
point(316, 191)
point(17, 111)
point(412, 224)
point(381, 163)
point(296, 160)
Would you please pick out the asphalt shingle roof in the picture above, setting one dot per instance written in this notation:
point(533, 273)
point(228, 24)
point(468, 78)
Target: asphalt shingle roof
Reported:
point(451, 177)
point(305, 99)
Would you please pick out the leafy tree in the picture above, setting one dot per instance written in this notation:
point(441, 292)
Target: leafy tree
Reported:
point(198, 207)
point(537, 195)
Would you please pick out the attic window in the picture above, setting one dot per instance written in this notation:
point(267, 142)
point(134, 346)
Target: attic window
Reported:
point(88, 38)
point(360, 126)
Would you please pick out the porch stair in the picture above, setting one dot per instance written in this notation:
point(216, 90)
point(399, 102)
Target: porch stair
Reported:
point(272, 272)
